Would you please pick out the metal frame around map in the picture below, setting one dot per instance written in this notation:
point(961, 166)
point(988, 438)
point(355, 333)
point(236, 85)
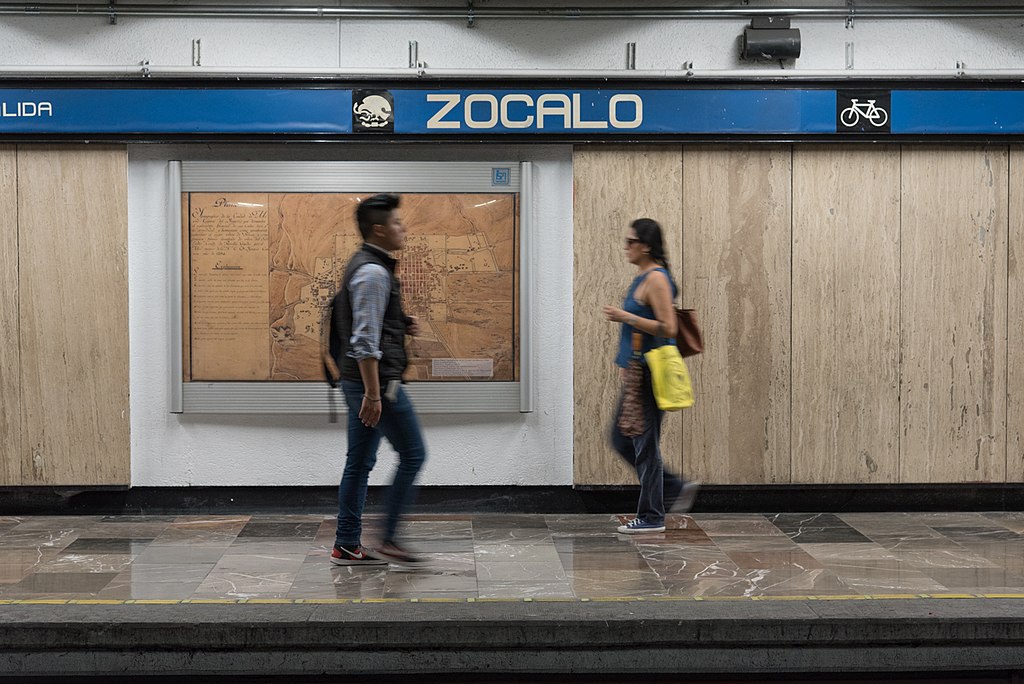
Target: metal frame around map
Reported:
point(404, 177)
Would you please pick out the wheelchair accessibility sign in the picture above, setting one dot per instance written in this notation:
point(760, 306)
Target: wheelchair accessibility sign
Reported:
point(863, 111)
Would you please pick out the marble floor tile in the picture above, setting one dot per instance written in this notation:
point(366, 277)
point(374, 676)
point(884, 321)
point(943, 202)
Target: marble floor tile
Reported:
point(778, 542)
point(288, 517)
point(285, 530)
point(902, 580)
point(515, 590)
point(710, 587)
point(87, 562)
point(521, 572)
point(73, 583)
point(107, 545)
point(514, 557)
point(964, 534)
point(452, 563)
point(414, 582)
point(268, 562)
point(627, 579)
point(210, 520)
point(199, 555)
point(155, 591)
point(591, 588)
point(36, 538)
point(168, 573)
point(510, 521)
point(974, 579)
point(323, 580)
point(52, 523)
point(262, 546)
point(747, 526)
point(612, 543)
point(948, 519)
point(245, 584)
point(670, 554)
point(1011, 520)
point(692, 571)
point(597, 561)
point(580, 523)
point(943, 558)
point(205, 535)
point(915, 543)
point(511, 535)
point(516, 552)
point(136, 530)
point(831, 553)
point(675, 536)
point(421, 546)
point(758, 560)
point(15, 564)
point(1003, 553)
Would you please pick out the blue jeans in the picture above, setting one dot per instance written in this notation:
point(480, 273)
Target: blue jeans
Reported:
point(398, 423)
point(643, 453)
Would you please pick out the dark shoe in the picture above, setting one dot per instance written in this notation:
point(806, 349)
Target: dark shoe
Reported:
point(394, 553)
point(640, 526)
point(687, 495)
point(357, 556)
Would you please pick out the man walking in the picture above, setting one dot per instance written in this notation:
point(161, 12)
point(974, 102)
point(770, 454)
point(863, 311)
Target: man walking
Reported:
point(367, 344)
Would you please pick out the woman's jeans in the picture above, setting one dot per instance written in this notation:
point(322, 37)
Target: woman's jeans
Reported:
point(398, 423)
point(643, 453)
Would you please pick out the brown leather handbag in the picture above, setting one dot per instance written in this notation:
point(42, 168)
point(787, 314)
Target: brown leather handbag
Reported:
point(689, 338)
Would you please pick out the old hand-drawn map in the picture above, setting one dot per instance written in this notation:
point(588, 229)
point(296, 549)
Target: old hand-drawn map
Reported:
point(262, 268)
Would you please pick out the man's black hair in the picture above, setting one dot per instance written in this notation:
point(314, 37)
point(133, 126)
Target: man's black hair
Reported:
point(375, 210)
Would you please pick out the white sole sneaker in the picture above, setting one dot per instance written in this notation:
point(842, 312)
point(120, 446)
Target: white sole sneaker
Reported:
point(626, 529)
point(688, 494)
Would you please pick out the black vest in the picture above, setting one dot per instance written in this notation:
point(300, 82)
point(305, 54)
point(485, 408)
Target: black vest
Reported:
point(392, 340)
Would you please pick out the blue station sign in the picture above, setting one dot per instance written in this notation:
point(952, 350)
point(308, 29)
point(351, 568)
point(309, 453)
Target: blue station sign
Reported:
point(591, 113)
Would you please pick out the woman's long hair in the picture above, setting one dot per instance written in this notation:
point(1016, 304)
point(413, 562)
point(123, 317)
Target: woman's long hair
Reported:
point(648, 231)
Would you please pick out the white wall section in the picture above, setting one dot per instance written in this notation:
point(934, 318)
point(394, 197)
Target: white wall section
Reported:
point(469, 449)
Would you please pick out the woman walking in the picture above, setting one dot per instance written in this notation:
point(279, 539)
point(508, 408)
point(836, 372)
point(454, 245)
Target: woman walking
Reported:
point(648, 310)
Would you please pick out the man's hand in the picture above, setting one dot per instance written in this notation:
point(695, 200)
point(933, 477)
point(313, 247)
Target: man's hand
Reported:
point(413, 326)
point(369, 412)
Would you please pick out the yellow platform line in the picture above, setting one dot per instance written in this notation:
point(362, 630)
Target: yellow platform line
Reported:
point(527, 599)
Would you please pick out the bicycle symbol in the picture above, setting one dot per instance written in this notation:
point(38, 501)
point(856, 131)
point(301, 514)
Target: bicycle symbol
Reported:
point(851, 115)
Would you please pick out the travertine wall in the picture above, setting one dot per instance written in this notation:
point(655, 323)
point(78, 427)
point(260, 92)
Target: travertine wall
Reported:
point(856, 302)
point(64, 315)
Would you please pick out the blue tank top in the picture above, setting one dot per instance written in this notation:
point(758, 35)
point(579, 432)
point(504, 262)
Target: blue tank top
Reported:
point(632, 306)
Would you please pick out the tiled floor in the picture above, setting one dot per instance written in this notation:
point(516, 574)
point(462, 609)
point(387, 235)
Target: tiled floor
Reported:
point(515, 557)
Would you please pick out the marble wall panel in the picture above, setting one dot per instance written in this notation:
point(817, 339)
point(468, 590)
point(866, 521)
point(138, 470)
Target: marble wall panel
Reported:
point(846, 227)
point(1015, 322)
point(736, 274)
point(953, 313)
point(10, 356)
point(73, 256)
point(612, 187)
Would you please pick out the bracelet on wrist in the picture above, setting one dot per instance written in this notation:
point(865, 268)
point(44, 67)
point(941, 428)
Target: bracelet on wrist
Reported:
point(370, 398)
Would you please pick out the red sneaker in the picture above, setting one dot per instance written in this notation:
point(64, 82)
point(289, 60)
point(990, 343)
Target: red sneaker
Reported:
point(357, 556)
point(399, 556)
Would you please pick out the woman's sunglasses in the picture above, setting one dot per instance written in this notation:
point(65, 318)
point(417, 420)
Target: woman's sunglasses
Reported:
point(633, 241)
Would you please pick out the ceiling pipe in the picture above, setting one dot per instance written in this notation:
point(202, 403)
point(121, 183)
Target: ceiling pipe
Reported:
point(620, 75)
point(461, 13)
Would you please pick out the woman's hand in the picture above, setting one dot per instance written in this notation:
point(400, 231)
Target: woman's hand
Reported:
point(614, 314)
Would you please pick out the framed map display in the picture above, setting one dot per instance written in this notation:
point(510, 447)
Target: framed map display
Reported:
point(262, 248)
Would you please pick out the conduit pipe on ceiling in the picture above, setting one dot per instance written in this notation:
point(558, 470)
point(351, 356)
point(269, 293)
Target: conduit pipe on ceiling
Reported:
point(849, 11)
point(356, 73)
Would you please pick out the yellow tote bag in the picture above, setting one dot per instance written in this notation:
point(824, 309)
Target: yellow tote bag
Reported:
point(669, 378)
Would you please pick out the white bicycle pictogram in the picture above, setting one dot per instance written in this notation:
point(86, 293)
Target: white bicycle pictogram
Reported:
point(851, 115)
